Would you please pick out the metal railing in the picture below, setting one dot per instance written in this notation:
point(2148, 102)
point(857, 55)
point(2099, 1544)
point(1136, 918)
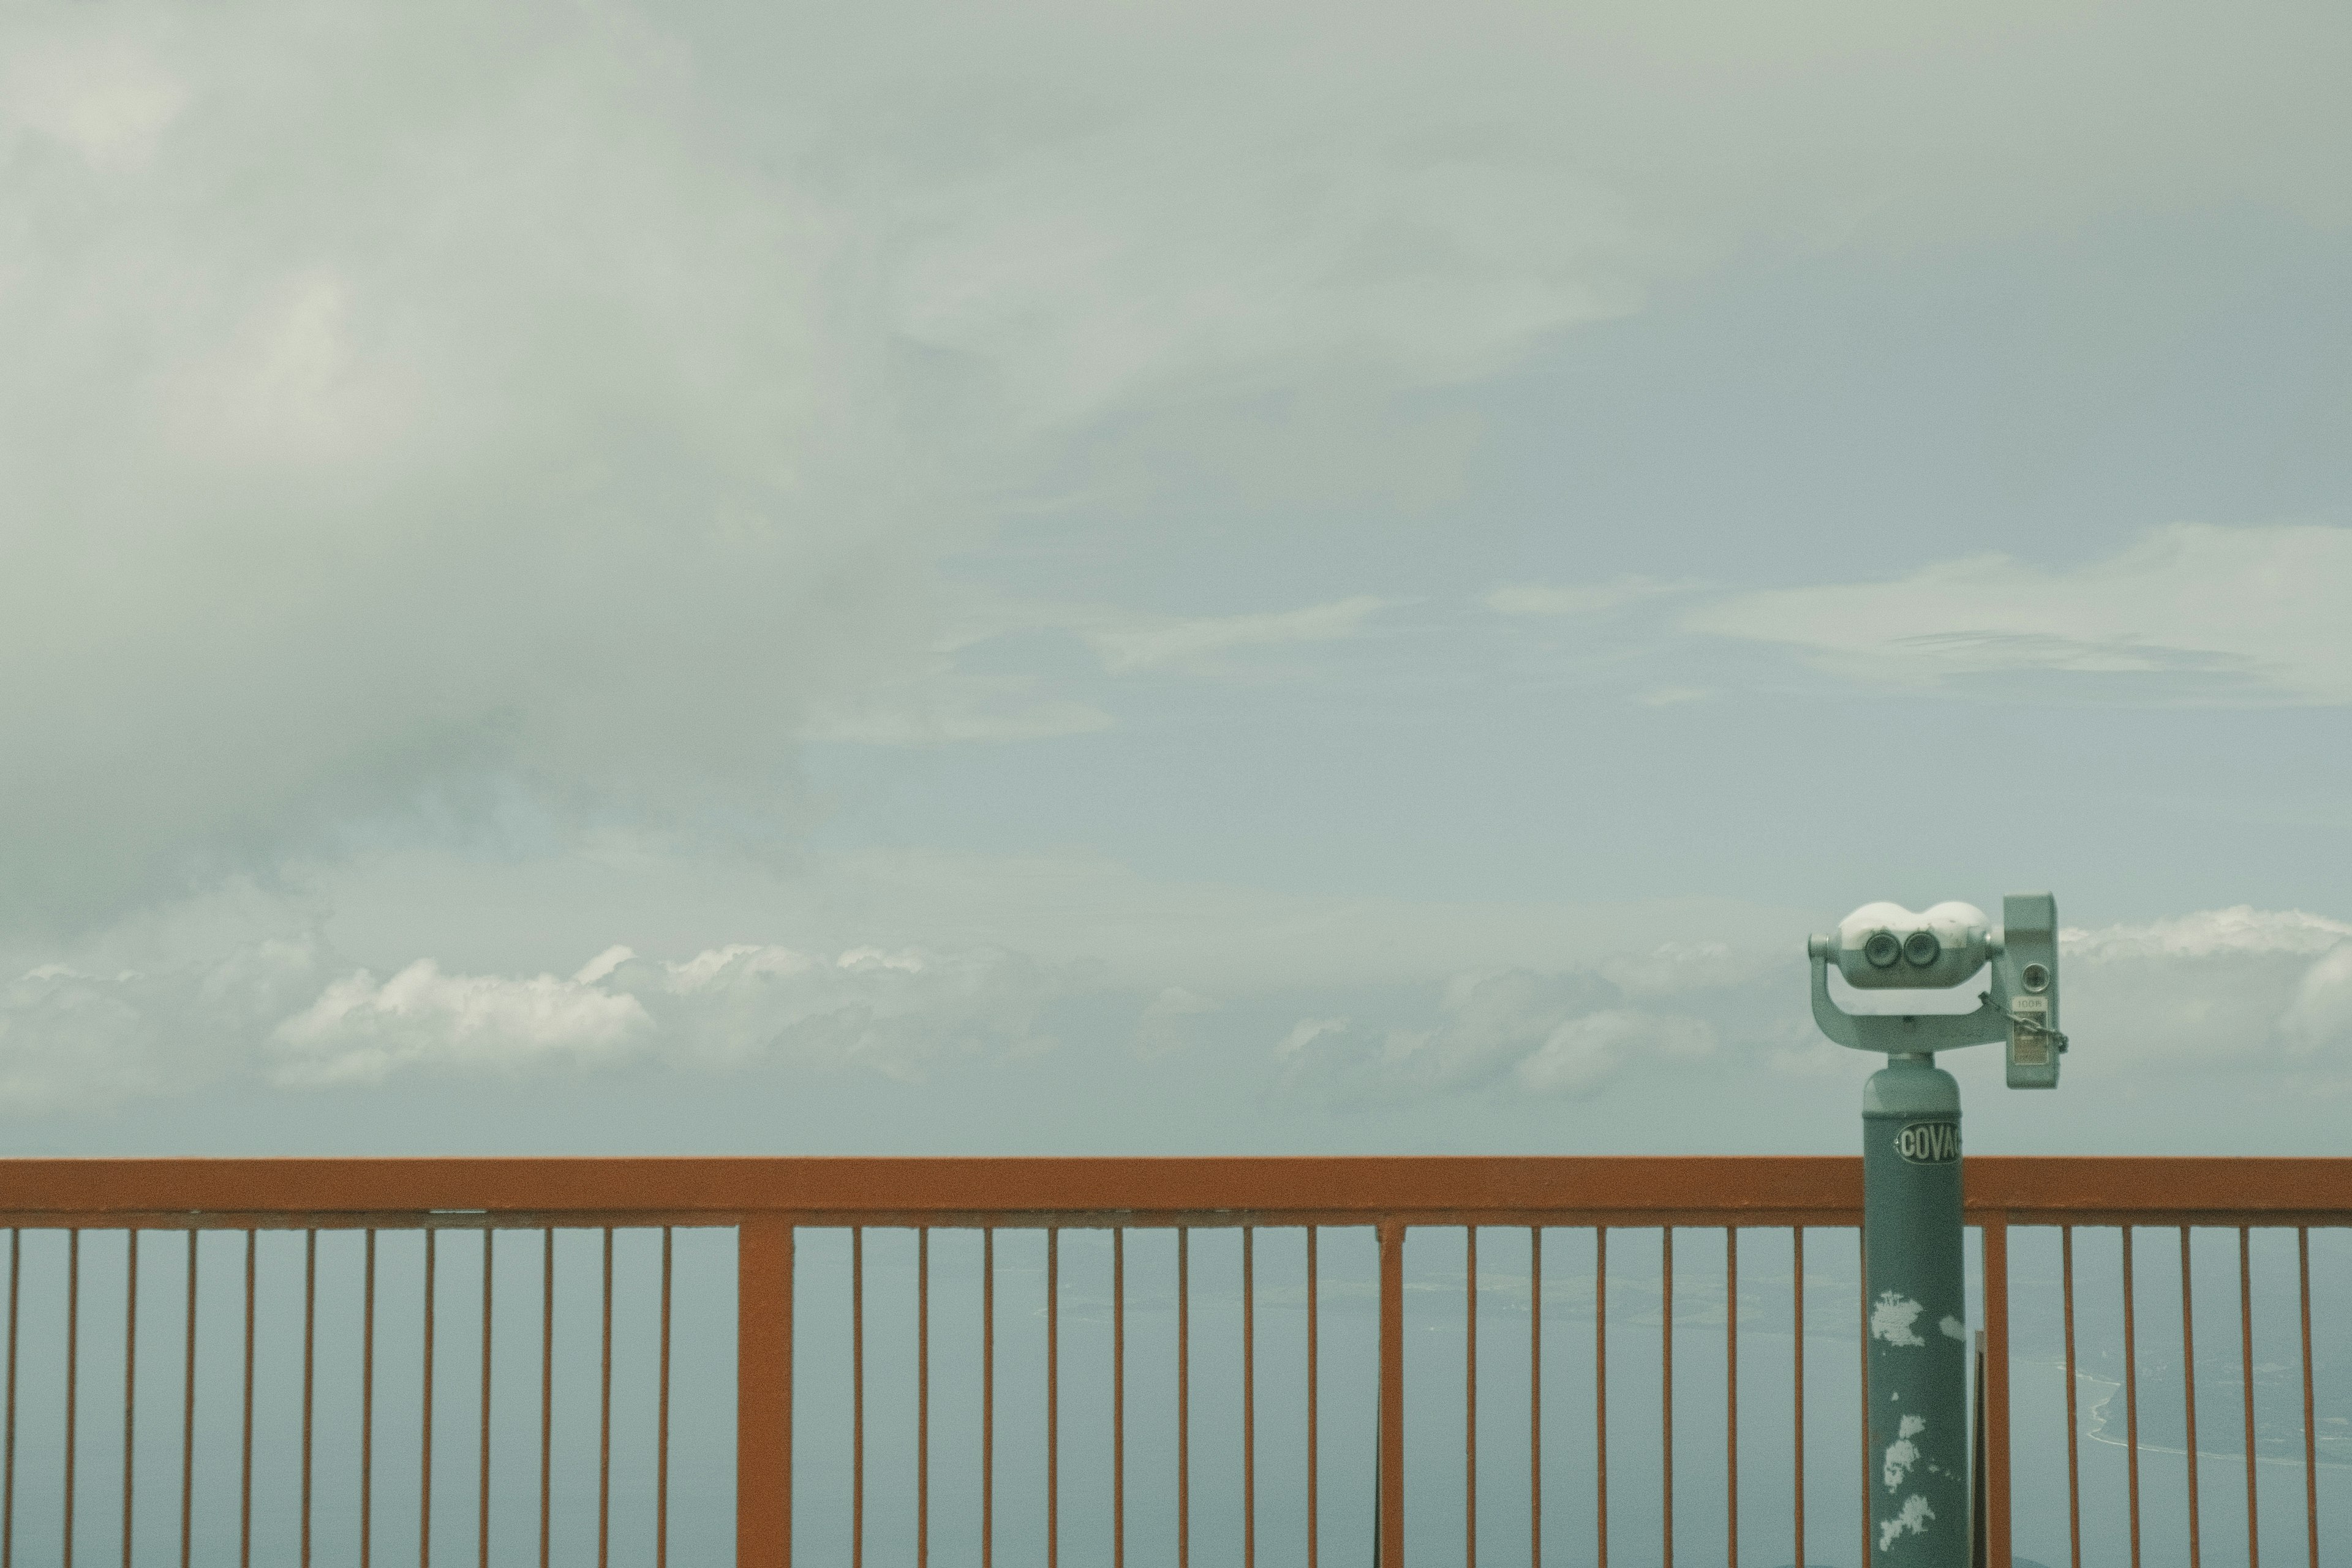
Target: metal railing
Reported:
point(789, 1445)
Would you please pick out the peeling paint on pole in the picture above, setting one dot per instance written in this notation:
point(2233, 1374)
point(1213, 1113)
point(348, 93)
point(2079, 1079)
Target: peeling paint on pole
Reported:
point(1918, 1365)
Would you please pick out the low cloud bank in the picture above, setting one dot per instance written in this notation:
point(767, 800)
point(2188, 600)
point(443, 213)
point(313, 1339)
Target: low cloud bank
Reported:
point(1569, 1034)
point(280, 1013)
point(2227, 988)
point(2237, 990)
point(887, 1011)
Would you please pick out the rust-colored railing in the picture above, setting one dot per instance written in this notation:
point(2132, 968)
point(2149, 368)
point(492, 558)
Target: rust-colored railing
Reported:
point(772, 1204)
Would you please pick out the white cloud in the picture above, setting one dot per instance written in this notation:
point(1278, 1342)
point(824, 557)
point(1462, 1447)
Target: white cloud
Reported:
point(1579, 599)
point(1306, 1032)
point(74, 1035)
point(1160, 201)
point(2192, 613)
point(2320, 1016)
point(944, 700)
point(942, 705)
point(2240, 929)
point(1673, 967)
point(412, 409)
point(1170, 1021)
point(1174, 244)
point(361, 1029)
point(2224, 991)
point(107, 99)
point(1583, 1054)
point(2238, 992)
point(1142, 933)
point(1196, 641)
point(889, 1011)
point(405, 442)
point(1562, 1033)
point(235, 989)
point(292, 383)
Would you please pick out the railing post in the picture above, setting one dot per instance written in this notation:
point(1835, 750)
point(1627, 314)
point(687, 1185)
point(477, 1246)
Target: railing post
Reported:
point(763, 1394)
point(1391, 1424)
point(1996, 1390)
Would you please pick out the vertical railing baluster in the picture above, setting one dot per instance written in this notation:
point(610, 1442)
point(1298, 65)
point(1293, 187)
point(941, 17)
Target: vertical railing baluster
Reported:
point(73, 1381)
point(2310, 1434)
point(1470, 1397)
point(922, 1396)
point(425, 1466)
point(2246, 1382)
point(1053, 1397)
point(784, 1404)
point(489, 1258)
point(546, 1388)
point(1600, 1394)
point(1862, 1336)
point(1118, 1398)
point(604, 1422)
point(1731, 1397)
point(1995, 1234)
point(1391, 1420)
point(1249, 1398)
point(129, 1377)
point(2074, 1467)
point(8, 1461)
point(987, 1397)
point(309, 1372)
point(245, 1498)
point(1534, 1396)
point(246, 1487)
point(367, 1401)
point(1797, 1387)
point(763, 1393)
point(2131, 1394)
point(2189, 1392)
point(661, 1422)
point(857, 1396)
point(1666, 1389)
point(1183, 1397)
point(1314, 1457)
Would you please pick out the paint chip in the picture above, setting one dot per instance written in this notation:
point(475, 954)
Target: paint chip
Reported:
point(1903, 1453)
point(1955, 1330)
point(1912, 1520)
point(1893, 1318)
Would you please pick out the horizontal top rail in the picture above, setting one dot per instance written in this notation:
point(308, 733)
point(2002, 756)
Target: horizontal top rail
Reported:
point(1768, 1190)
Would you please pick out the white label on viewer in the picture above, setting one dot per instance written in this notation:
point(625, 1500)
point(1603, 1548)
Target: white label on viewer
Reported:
point(1929, 1143)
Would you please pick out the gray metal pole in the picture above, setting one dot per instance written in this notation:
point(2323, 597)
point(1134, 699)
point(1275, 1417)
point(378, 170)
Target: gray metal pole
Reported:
point(1916, 1290)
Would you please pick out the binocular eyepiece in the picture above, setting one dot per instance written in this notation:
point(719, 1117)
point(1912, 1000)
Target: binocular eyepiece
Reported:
point(1886, 947)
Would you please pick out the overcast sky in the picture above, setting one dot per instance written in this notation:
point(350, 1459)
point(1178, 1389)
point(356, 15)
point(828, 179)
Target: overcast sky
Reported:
point(1188, 578)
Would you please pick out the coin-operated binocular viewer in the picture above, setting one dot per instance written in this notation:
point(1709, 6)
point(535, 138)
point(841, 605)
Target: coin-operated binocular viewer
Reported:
point(1914, 1278)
